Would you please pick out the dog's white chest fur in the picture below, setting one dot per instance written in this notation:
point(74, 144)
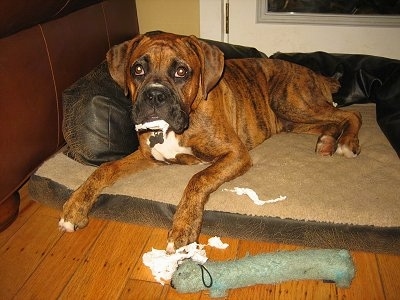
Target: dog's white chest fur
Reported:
point(164, 145)
point(169, 148)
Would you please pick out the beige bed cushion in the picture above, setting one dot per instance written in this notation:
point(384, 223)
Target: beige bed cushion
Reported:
point(327, 191)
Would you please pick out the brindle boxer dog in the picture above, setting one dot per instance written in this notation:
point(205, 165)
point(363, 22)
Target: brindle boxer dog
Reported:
point(215, 111)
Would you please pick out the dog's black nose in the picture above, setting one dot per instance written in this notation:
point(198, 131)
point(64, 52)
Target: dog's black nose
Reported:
point(156, 96)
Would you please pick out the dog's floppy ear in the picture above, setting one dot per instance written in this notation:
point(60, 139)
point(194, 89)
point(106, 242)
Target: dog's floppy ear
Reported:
point(117, 60)
point(212, 63)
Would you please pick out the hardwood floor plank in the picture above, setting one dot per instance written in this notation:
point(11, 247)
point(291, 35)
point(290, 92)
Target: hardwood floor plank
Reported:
point(255, 292)
point(366, 283)
point(106, 269)
point(172, 294)
point(144, 290)
point(389, 269)
point(307, 289)
point(23, 252)
point(61, 262)
point(26, 210)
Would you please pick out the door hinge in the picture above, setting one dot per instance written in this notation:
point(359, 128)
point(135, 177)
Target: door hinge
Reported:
point(227, 17)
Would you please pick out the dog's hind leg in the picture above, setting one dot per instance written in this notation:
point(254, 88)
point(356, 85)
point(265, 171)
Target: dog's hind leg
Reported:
point(348, 143)
point(337, 130)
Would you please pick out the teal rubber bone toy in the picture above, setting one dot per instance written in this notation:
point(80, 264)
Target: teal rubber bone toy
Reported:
point(218, 277)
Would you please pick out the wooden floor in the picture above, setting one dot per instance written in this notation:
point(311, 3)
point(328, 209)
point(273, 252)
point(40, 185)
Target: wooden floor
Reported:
point(104, 261)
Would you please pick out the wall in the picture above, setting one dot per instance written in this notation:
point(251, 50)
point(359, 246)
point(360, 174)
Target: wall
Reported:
point(270, 38)
point(178, 16)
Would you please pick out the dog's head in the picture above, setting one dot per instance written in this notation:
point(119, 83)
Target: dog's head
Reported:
point(165, 75)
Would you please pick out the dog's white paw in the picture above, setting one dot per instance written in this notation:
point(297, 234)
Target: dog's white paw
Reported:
point(66, 226)
point(345, 151)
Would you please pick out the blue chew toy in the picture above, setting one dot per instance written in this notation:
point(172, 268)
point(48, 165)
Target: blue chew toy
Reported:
point(218, 277)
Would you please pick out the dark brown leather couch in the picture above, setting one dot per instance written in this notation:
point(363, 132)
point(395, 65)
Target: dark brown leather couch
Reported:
point(45, 46)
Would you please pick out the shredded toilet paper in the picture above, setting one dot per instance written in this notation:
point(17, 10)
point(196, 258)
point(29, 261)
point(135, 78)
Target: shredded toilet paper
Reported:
point(253, 195)
point(153, 125)
point(217, 243)
point(163, 265)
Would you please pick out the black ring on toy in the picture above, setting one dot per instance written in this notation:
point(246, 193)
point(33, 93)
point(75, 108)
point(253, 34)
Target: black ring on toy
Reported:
point(203, 268)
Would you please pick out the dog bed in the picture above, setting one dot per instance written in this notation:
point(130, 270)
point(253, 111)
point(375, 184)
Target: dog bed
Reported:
point(330, 201)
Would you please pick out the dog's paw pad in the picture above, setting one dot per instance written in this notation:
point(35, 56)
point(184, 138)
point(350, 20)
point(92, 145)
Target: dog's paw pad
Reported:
point(66, 226)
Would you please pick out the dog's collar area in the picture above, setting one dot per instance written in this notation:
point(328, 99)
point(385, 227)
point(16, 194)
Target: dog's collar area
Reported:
point(165, 145)
point(157, 137)
point(159, 131)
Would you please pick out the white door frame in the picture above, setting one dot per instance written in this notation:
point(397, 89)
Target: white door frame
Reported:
point(212, 20)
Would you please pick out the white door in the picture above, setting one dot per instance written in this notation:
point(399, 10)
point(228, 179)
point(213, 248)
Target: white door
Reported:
point(274, 37)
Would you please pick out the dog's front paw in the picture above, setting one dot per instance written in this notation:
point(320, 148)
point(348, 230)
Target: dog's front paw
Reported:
point(74, 216)
point(180, 236)
point(66, 226)
point(72, 225)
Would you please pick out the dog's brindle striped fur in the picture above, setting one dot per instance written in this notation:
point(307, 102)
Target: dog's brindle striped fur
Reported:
point(217, 111)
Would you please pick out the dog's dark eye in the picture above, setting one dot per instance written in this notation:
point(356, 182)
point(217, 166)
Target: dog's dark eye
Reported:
point(181, 72)
point(138, 70)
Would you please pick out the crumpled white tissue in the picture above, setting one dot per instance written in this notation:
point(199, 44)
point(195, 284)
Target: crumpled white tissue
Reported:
point(163, 265)
point(253, 195)
point(217, 243)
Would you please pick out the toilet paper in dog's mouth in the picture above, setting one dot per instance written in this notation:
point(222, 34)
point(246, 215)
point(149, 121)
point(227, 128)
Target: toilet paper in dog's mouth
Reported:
point(153, 125)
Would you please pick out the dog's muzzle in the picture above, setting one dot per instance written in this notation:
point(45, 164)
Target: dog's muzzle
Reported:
point(158, 102)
